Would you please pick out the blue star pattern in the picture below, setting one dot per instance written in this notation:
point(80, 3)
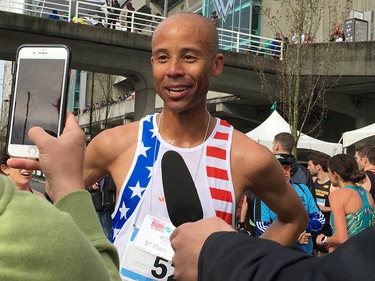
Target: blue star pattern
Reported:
point(140, 177)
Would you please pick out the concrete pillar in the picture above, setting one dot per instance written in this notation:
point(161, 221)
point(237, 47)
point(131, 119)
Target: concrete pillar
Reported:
point(144, 103)
point(144, 94)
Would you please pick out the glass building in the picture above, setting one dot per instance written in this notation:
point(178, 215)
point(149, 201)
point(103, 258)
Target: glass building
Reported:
point(236, 15)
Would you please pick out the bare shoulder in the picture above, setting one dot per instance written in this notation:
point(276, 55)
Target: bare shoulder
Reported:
point(111, 146)
point(247, 151)
point(251, 163)
point(115, 138)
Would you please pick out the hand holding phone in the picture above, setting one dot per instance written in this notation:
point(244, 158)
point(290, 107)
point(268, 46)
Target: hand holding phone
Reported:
point(39, 96)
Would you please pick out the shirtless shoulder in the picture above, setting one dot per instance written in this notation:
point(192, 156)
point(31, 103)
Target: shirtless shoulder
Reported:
point(251, 163)
point(111, 152)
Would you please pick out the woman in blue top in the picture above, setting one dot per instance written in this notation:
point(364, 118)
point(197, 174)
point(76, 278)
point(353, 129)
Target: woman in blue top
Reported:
point(352, 207)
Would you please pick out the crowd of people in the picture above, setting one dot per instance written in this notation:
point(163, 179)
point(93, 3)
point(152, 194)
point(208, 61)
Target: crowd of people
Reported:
point(104, 103)
point(219, 164)
point(339, 201)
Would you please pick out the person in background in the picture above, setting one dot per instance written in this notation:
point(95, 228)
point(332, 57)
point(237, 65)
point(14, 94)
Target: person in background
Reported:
point(113, 13)
point(20, 177)
point(129, 15)
point(318, 167)
point(103, 194)
point(64, 241)
point(215, 18)
point(263, 216)
point(365, 157)
point(276, 46)
point(283, 143)
point(352, 206)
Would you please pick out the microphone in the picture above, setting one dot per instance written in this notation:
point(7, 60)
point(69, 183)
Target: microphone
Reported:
point(180, 193)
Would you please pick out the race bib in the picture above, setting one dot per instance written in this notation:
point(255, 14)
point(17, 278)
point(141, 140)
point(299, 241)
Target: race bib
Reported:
point(148, 255)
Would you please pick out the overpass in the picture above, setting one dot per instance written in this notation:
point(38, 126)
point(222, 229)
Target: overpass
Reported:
point(128, 54)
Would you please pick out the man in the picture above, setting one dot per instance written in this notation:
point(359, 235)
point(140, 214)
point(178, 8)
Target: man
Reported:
point(365, 157)
point(263, 216)
point(41, 241)
point(210, 250)
point(223, 162)
point(318, 167)
point(283, 143)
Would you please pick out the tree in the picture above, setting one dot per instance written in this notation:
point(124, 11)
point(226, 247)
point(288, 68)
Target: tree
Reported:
point(302, 76)
point(102, 92)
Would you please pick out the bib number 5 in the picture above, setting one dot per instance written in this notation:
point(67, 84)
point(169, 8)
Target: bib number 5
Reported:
point(161, 269)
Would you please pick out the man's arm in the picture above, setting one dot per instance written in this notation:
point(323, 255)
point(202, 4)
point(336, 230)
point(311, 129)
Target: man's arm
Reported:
point(264, 176)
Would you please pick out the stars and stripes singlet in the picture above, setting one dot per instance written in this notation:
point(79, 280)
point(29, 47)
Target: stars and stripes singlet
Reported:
point(142, 191)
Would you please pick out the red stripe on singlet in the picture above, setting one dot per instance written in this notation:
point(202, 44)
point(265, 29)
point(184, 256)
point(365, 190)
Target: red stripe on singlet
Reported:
point(221, 136)
point(220, 194)
point(217, 173)
point(227, 217)
point(216, 152)
point(224, 123)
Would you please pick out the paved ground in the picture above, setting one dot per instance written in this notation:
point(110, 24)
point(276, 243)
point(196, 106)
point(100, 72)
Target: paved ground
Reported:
point(37, 183)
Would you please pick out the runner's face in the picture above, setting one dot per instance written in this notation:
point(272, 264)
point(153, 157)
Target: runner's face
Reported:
point(360, 160)
point(312, 168)
point(286, 169)
point(183, 62)
point(333, 177)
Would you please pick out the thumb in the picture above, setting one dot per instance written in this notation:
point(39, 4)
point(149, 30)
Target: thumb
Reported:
point(38, 136)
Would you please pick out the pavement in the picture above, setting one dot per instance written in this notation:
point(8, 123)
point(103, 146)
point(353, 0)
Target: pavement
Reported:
point(37, 183)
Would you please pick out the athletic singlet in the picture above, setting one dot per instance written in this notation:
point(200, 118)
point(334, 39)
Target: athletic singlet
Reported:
point(142, 192)
point(322, 192)
point(360, 220)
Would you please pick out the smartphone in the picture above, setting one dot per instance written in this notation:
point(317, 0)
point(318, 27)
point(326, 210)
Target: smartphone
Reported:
point(39, 96)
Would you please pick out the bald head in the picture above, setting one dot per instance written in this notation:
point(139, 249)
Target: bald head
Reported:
point(195, 24)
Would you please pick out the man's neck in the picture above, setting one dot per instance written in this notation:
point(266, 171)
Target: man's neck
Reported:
point(322, 177)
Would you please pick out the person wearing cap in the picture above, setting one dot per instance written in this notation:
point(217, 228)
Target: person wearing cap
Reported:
point(283, 143)
point(264, 216)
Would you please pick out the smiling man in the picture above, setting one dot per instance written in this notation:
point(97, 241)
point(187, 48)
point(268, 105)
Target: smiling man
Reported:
point(222, 161)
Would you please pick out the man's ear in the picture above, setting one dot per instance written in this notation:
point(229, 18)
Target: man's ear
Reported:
point(276, 147)
point(217, 65)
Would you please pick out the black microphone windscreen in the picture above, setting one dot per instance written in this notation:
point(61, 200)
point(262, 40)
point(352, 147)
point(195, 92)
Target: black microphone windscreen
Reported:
point(180, 193)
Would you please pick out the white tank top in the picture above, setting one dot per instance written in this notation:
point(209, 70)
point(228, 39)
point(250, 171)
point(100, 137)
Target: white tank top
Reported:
point(142, 191)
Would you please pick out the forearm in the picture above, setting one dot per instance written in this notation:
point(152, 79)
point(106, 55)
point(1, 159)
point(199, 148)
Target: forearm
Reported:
point(284, 233)
point(79, 206)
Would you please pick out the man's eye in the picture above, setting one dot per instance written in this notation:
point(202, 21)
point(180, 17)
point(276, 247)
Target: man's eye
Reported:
point(162, 58)
point(189, 58)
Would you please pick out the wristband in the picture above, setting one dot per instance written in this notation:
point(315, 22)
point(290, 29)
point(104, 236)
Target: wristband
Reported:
point(323, 241)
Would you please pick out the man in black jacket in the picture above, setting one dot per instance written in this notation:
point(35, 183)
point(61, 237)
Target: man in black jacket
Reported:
point(210, 250)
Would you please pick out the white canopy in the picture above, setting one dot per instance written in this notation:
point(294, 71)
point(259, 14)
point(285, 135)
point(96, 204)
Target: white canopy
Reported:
point(350, 137)
point(274, 124)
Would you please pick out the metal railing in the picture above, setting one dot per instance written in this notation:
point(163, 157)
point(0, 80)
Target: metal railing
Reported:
point(99, 14)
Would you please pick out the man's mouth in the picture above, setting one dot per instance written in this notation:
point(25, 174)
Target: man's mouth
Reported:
point(177, 89)
point(26, 174)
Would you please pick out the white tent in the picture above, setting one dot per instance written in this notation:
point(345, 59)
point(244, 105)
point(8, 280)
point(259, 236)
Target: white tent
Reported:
point(274, 124)
point(351, 137)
